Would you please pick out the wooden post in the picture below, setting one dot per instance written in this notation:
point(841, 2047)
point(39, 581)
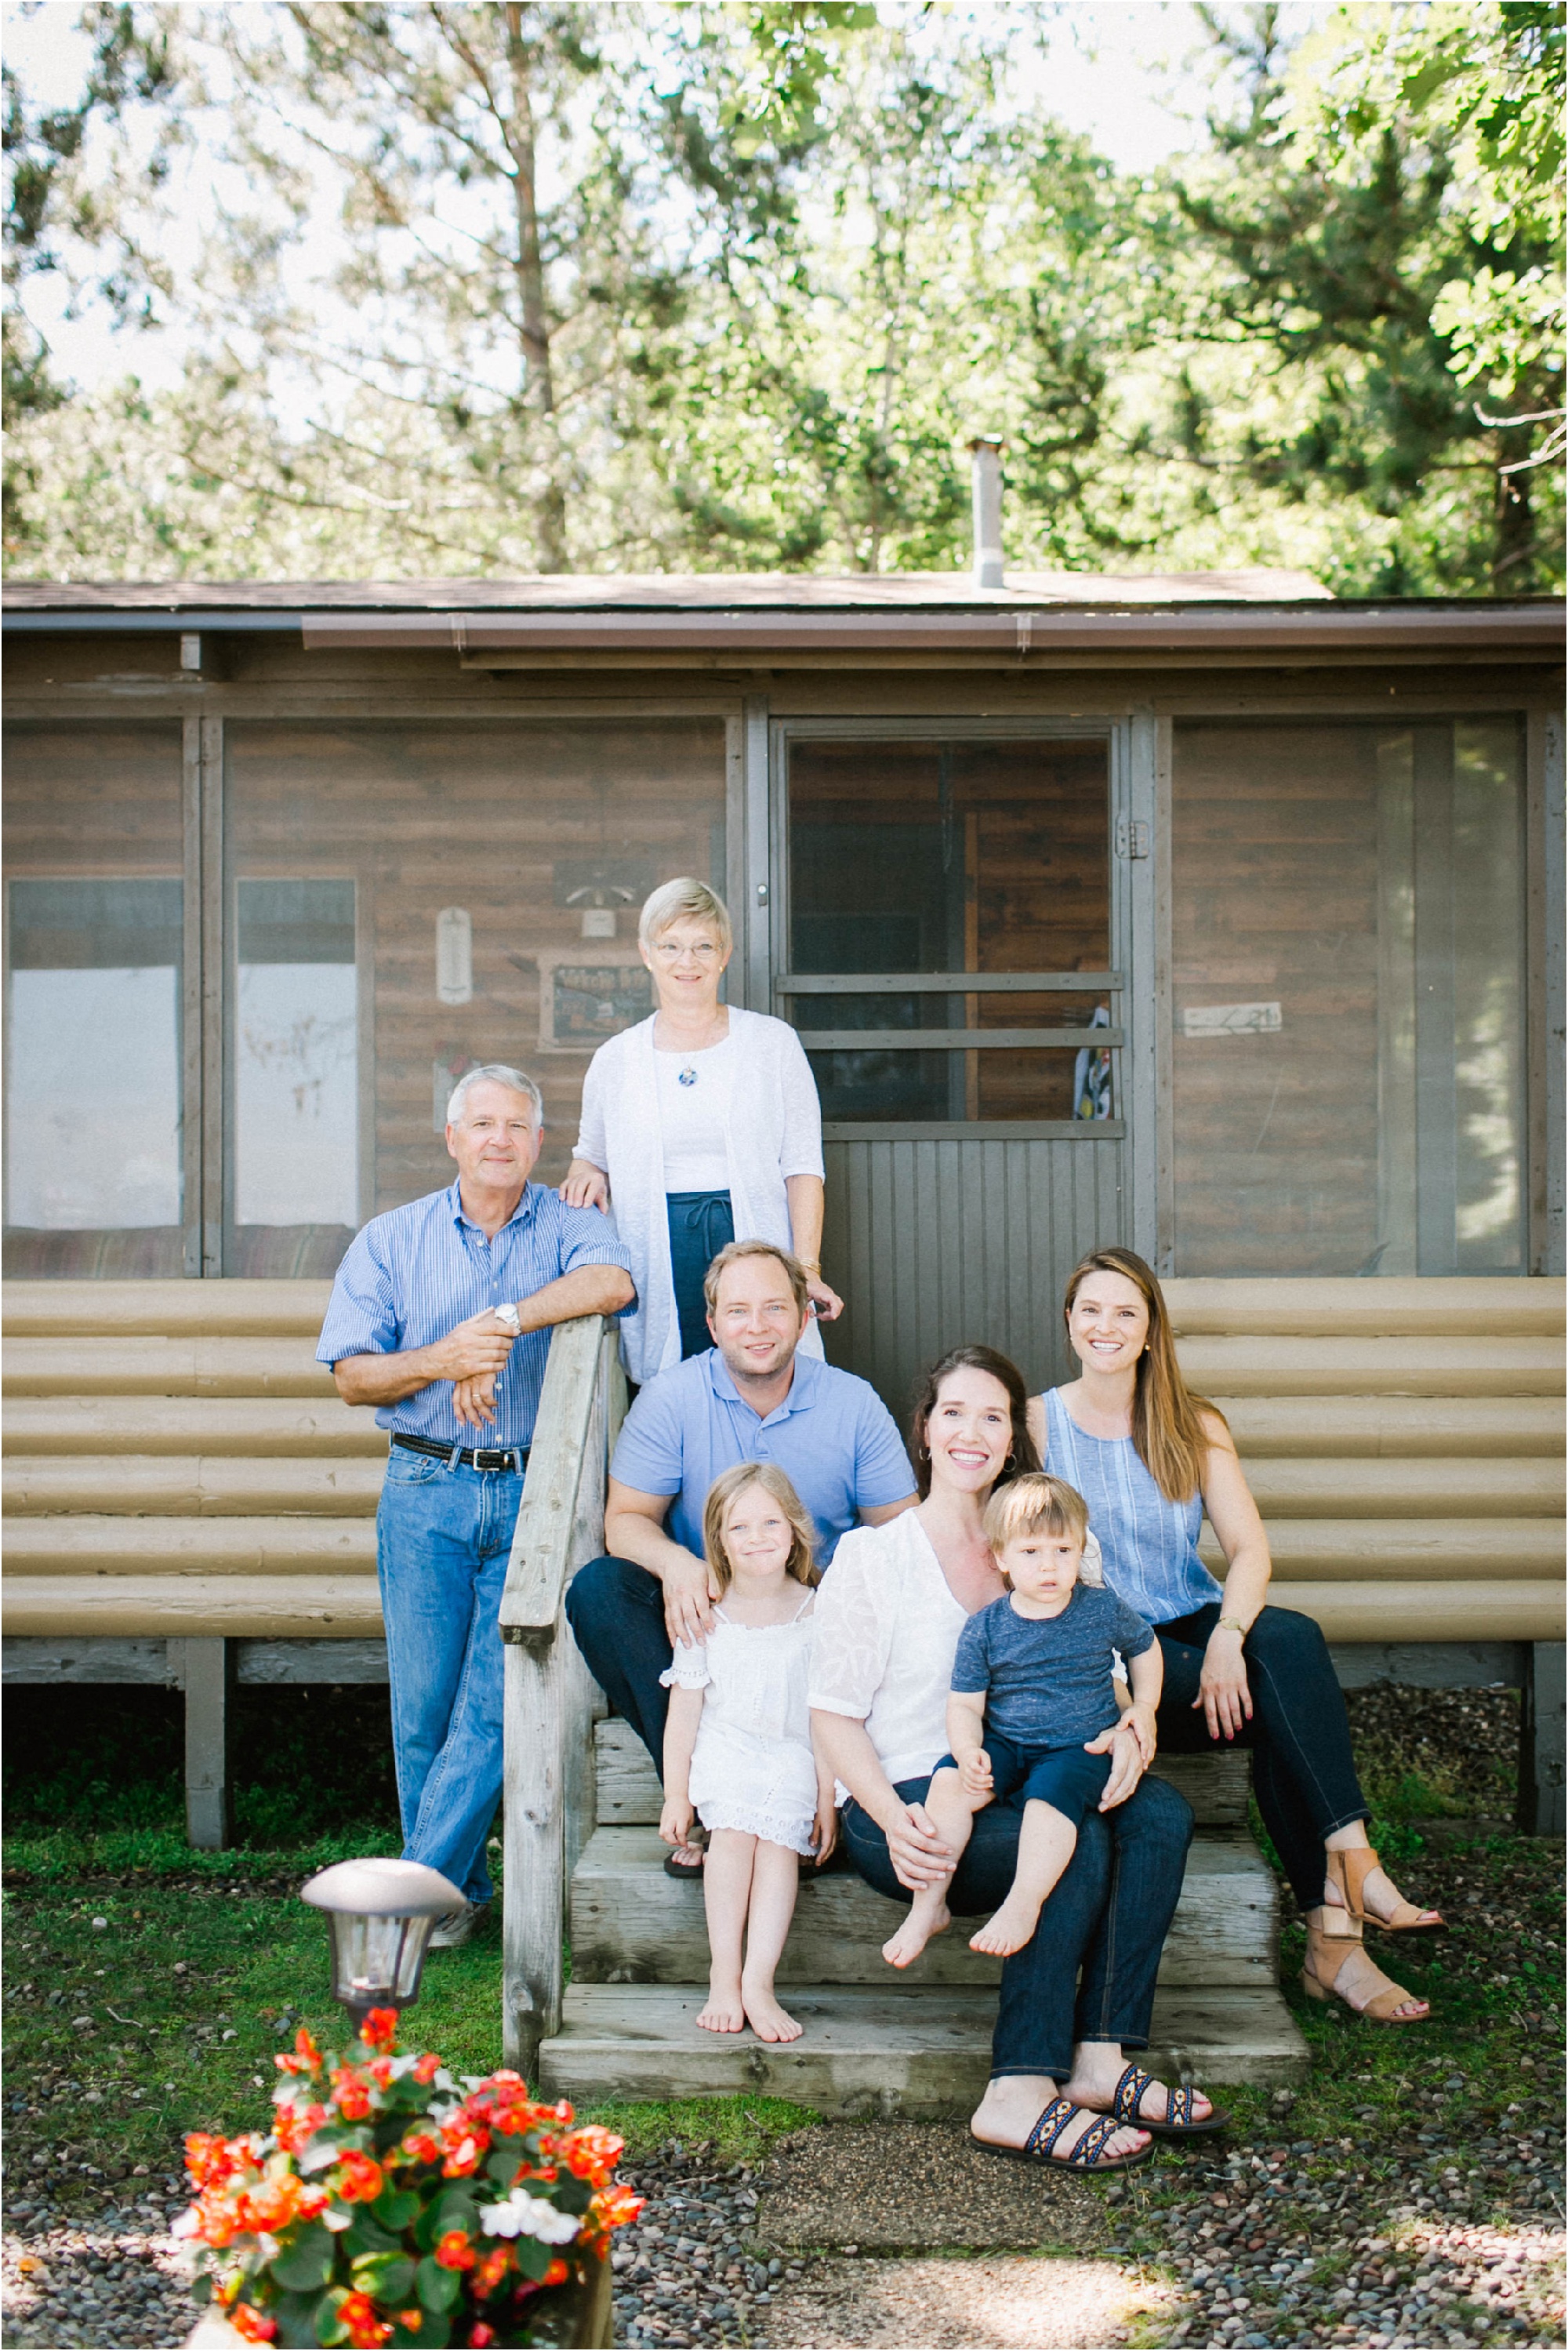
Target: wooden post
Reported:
point(548, 1706)
point(208, 1677)
point(1541, 1723)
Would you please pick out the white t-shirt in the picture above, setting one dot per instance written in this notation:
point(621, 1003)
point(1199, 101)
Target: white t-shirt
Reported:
point(887, 1630)
point(692, 1116)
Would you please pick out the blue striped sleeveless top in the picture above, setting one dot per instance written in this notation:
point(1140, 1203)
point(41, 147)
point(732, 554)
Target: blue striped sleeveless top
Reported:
point(1149, 1545)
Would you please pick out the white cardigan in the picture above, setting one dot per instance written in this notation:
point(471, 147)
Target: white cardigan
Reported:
point(773, 1130)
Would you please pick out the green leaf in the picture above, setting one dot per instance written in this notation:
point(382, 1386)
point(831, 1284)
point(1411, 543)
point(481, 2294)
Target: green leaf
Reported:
point(329, 2327)
point(503, 2165)
point(438, 2289)
point(366, 2235)
point(395, 2210)
point(307, 2260)
point(296, 2316)
point(387, 2276)
point(432, 2335)
point(532, 2258)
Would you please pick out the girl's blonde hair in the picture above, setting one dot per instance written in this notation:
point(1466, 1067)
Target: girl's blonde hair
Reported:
point(1168, 1435)
point(802, 1561)
point(1035, 1504)
point(686, 900)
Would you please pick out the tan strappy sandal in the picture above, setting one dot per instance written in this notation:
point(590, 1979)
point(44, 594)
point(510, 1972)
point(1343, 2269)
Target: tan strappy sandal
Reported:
point(1348, 1873)
point(1381, 2006)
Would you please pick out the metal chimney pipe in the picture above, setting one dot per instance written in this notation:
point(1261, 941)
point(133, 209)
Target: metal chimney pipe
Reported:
point(986, 488)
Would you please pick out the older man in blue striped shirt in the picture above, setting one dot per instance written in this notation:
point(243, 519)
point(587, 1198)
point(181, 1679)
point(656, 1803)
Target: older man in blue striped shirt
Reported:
point(440, 1318)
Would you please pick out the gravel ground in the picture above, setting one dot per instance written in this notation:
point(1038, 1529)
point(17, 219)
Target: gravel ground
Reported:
point(110, 2276)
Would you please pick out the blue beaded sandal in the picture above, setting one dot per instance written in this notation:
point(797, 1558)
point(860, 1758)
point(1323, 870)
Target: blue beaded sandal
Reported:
point(1177, 2122)
point(1084, 2153)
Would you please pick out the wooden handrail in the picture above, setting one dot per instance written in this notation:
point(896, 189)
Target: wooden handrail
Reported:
point(550, 1699)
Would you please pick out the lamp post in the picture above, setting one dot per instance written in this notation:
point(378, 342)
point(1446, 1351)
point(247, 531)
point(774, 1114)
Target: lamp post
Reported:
point(381, 1914)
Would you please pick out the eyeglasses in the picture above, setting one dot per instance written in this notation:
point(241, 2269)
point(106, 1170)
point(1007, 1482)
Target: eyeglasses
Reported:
point(672, 950)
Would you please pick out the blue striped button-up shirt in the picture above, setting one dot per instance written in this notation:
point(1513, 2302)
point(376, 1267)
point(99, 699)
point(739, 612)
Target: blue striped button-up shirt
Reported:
point(412, 1275)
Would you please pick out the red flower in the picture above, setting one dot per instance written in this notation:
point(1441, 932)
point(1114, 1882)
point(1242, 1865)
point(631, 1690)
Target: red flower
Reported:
point(351, 2093)
point(357, 2312)
point(492, 2269)
point(296, 2125)
point(359, 2181)
point(592, 2153)
point(428, 2066)
point(379, 2030)
point(307, 2058)
point(480, 2335)
point(411, 2321)
point(252, 2324)
point(557, 2273)
point(614, 2207)
point(419, 2145)
point(455, 2251)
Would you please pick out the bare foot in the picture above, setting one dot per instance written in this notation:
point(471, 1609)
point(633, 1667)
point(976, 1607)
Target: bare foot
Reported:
point(901, 1950)
point(1345, 1968)
point(689, 1857)
point(725, 2010)
point(766, 2019)
point(1010, 1930)
point(1382, 1898)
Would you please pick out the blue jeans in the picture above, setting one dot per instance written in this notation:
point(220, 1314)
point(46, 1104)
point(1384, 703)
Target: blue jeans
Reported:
point(1304, 1773)
point(442, 1540)
point(701, 1224)
point(1067, 1779)
point(1109, 1911)
point(1108, 1914)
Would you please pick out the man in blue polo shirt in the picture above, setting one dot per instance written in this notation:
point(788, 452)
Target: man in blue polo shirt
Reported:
point(440, 1317)
point(752, 1398)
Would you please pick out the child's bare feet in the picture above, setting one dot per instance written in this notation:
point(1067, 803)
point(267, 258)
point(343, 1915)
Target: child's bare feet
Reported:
point(901, 1950)
point(725, 2012)
point(1010, 1930)
point(766, 2018)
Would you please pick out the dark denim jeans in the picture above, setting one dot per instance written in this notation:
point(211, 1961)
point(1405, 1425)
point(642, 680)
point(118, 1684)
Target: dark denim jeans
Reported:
point(442, 1540)
point(701, 1224)
point(1303, 1773)
point(1108, 1914)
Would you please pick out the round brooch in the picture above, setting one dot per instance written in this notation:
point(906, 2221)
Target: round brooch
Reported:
point(685, 1077)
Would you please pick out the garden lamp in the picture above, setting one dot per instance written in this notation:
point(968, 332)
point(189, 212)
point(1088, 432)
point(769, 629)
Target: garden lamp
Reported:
point(381, 1915)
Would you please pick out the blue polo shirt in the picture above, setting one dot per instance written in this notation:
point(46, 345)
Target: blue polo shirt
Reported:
point(832, 1436)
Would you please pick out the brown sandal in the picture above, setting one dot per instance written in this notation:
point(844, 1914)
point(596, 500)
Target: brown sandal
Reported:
point(1381, 2006)
point(1348, 1871)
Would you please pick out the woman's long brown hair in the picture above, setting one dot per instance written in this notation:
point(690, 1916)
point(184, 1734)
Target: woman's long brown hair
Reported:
point(1167, 1433)
point(1021, 1454)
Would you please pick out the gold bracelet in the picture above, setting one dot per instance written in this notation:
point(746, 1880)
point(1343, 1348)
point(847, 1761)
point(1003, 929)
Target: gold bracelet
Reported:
point(811, 1265)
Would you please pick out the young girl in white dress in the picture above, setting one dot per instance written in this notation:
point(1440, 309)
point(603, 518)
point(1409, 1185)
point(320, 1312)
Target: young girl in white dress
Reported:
point(737, 1742)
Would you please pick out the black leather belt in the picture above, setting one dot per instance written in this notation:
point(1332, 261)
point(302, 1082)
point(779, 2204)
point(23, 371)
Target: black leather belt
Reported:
point(504, 1457)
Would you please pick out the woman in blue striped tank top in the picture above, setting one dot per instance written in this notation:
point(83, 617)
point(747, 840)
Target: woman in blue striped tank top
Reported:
point(1149, 1457)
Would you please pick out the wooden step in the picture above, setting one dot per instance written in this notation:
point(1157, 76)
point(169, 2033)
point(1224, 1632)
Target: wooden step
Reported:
point(92, 1547)
point(171, 1485)
point(900, 2050)
point(632, 1923)
point(1351, 1427)
point(1429, 1306)
point(630, 1796)
point(248, 1427)
point(1268, 1366)
point(80, 1310)
point(160, 1366)
point(1412, 1489)
point(176, 1607)
point(1398, 1551)
point(1504, 1608)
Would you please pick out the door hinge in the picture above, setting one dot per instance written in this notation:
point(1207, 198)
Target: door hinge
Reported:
point(1131, 837)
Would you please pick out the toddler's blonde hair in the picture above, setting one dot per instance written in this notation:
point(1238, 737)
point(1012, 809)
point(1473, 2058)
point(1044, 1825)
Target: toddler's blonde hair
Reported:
point(1035, 1504)
point(802, 1561)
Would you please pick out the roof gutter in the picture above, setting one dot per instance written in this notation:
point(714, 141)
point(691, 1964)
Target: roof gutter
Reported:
point(758, 636)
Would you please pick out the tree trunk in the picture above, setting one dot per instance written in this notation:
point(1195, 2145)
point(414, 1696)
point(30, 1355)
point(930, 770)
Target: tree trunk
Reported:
point(534, 329)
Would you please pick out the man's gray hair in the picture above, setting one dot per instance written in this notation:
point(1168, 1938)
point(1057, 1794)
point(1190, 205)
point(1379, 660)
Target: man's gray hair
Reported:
point(500, 1074)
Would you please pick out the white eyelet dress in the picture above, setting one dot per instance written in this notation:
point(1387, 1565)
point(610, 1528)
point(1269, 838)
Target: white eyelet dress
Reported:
point(753, 1768)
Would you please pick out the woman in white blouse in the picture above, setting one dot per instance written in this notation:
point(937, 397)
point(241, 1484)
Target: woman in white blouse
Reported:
point(888, 1618)
point(700, 1126)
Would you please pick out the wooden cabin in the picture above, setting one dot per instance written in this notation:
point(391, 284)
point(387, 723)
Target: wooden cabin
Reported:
point(1202, 913)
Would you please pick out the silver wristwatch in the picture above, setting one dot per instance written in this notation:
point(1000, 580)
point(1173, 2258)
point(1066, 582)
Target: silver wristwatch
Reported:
point(509, 1318)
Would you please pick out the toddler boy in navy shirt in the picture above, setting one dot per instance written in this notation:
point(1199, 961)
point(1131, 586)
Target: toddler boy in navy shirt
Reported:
point(1033, 1684)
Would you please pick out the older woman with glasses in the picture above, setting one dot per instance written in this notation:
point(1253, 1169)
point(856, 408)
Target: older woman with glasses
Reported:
point(700, 1126)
